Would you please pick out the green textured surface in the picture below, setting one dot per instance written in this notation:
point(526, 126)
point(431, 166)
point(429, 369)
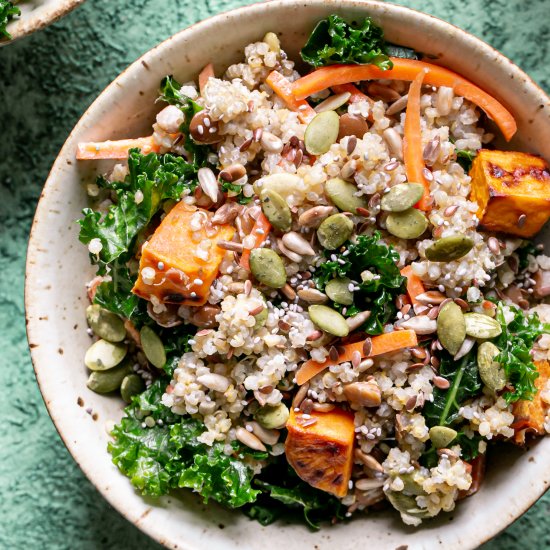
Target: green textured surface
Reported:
point(46, 83)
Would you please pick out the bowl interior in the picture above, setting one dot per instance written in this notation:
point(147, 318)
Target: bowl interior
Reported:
point(58, 269)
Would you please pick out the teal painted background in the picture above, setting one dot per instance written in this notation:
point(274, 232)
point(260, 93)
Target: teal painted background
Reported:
point(46, 82)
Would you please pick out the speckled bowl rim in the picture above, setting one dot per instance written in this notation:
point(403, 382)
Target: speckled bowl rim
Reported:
point(24, 26)
point(117, 503)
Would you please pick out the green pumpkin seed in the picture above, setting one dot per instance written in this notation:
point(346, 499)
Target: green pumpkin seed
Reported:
point(481, 326)
point(406, 504)
point(492, 374)
point(450, 248)
point(338, 291)
point(105, 324)
point(401, 196)
point(131, 385)
point(411, 486)
point(261, 318)
point(103, 355)
point(335, 231)
point(276, 210)
point(152, 347)
point(329, 320)
point(409, 224)
point(272, 417)
point(441, 436)
point(268, 268)
point(342, 194)
point(322, 132)
point(451, 327)
point(110, 380)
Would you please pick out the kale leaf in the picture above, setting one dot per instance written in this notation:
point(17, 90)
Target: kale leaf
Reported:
point(151, 180)
point(515, 343)
point(528, 248)
point(283, 492)
point(235, 190)
point(465, 158)
point(376, 294)
point(170, 92)
point(335, 41)
point(169, 455)
point(8, 10)
point(465, 383)
point(469, 447)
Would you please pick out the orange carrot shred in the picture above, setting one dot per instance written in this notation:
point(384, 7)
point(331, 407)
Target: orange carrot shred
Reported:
point(412, 143)
point(385, 343)
point(260, 231)
point(407, 69)
point(414, 284)
point(116, 150)
point(283, 88)
point(204, 75)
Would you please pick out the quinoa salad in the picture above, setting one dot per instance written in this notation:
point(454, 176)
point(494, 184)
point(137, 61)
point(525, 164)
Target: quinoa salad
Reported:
point(319, 291)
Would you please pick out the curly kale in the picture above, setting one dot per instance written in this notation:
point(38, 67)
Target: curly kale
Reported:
point(8, 10)
point(378, 290)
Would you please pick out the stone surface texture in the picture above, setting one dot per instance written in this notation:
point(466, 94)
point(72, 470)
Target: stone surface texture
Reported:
point(46, 82)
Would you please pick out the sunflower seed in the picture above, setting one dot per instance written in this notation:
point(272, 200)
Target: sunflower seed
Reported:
point(421, 324)
point(249, 439)
point(296, 243)
point(209, 184)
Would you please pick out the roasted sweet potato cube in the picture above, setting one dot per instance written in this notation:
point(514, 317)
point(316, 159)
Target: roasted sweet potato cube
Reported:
point(181, 260)
point(529, 415)
point(319, 447)
point(512, 191)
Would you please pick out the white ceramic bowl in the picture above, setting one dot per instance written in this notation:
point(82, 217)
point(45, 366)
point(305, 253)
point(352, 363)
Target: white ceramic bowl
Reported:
point(58, 268)
point(37, 14)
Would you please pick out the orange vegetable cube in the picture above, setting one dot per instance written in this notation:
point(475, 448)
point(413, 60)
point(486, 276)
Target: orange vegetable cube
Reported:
point(512, 191)
point(181, 260)
point(529, 415)
point(320, 448)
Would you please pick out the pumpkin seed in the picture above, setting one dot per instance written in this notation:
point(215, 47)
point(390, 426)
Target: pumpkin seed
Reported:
point(492, 374)
point(406, 504)
point(335, 231)
point(131, 385)
point(342, 194)
point(276, 210)
point(103, 355)
point(322, 132)
point(412, 486)
point(409, 224)
point(338, 291)
point(329, 320)
point(110, 380)
point(451, 327)
point(268, 268)
point(441, 436)
point(481, 326)
point(401, 196)
point(449, 248)
point(105, 324)
point(272, 417)
point(152, 347)
point(261, 318)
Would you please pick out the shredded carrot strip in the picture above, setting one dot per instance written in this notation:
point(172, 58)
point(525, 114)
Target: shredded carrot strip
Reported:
point(204, 75)
point(414, 284)
point(260, 231)
point(283, 88)
point(412, 144)
point(385, 343)
point(117, 150)
point(407, 69)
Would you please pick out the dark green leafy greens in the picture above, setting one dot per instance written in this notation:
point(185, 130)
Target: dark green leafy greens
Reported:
point(465, 383)
point(465, 158)
point(515, 343)
point(153, 179)
point(235, 190)
point(170, 91)
point(8, 10)
point(378, 293)
point(528, 248)
point(169, 455)
point(335, 41)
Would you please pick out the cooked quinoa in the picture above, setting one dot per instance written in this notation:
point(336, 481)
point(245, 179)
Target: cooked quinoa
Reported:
point(246, 343)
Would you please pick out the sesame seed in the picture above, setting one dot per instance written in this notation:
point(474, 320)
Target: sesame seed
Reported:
point(200, 129)
point(160, 266)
